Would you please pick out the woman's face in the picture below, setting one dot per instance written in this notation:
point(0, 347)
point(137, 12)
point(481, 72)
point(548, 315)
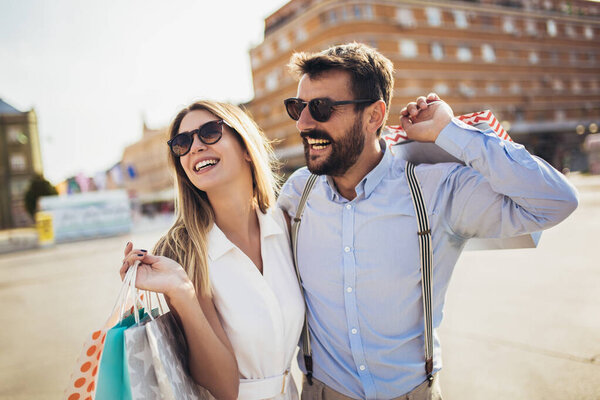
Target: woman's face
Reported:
point(218, 166)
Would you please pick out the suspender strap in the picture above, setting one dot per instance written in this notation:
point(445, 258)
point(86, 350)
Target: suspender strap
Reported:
point(306, 350)
point(426, 258)
point(426, 252)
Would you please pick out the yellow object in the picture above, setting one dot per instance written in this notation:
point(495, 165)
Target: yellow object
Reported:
point(43, 222)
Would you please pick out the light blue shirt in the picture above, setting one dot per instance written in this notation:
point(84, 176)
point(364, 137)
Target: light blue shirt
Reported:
point(359, 259)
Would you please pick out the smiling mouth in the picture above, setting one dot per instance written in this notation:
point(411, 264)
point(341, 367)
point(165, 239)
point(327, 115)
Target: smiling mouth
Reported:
point(317, 144)
point(205, 164)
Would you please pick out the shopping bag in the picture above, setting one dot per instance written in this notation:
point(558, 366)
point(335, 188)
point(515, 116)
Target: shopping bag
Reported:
point(142, 378)
point(170, 355)
point(430, 153)
point(82, 384)
point(113, 376)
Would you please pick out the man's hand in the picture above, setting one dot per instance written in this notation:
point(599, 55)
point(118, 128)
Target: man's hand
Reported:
point(424, 119)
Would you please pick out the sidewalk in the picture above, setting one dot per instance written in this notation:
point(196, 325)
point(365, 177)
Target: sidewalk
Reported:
point(18, 239)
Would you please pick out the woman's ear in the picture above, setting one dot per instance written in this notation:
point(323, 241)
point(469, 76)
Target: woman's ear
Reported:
point(247, 156)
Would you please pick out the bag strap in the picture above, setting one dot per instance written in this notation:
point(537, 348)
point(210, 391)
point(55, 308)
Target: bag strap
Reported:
point(426, 256)
point(306, 349)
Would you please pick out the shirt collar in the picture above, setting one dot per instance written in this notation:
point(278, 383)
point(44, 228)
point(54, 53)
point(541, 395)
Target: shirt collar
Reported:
point(369, 182)
point(219, 244)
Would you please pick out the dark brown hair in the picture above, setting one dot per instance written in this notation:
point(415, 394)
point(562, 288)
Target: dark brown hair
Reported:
point(371, 73)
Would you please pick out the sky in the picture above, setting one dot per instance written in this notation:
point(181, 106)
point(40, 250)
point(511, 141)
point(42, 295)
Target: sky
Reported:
point(94, 70)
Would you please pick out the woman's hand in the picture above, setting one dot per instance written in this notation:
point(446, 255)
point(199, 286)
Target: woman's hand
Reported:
point(156, 273)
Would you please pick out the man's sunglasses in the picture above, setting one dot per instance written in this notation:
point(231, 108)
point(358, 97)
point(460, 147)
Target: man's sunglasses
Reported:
point(208, 133)
point(320, 109)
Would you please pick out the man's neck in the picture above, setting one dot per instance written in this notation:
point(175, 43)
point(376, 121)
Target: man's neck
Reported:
point(369, 158)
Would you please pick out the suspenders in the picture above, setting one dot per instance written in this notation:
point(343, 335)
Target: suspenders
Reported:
point(426, 258)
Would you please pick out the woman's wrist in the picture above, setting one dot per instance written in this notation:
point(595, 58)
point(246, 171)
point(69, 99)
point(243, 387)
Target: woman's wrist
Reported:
point(181, 292)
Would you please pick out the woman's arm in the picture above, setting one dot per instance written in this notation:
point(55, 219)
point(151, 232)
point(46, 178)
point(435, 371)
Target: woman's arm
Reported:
point(212, 360)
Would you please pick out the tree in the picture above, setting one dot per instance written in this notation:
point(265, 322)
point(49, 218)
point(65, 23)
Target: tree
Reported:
point(38, 187)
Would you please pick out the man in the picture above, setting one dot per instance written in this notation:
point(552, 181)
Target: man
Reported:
point(358, 252)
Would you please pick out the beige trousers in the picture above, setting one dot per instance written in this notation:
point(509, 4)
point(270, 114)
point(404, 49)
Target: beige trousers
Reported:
point(319, 391)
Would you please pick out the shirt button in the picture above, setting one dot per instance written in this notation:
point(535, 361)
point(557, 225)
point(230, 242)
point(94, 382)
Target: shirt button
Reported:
point(349, 289)
point(347, 249)
point(362, 367)
point(348, 206)
point(354, 331)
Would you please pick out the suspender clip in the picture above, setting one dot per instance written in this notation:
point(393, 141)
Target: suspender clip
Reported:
point(309, 368)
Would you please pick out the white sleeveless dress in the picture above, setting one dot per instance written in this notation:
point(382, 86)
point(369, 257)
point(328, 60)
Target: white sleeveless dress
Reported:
point(262, 314)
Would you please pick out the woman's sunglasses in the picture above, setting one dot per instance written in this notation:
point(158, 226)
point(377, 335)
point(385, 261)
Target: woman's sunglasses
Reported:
point(208, 133)
point(320, 109)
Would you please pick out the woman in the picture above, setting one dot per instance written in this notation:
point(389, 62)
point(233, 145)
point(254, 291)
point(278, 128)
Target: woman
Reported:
point(225, 266)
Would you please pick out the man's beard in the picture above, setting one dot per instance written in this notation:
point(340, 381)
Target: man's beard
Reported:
point(343, 154)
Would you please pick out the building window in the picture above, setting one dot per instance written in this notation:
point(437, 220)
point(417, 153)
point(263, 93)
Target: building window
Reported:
point(576, 86)
point(405, 17)
point(588, 32)
point(551, 28)
point(437, 51)
point(301, 34)
point(408, 48)
point(554, 59)
point(463, 53)
point(591, 57)
point(332, 17)
point(508, 25)
point(515, 88)
point(255, 59)
point(283, 43)
point(487, 53)
point(531, 27)
point(434, 16)
point(560, 115)
point(272, 80)
point(357, 10)
point(268, 52)
point(368, 11)
point(15, 135)
point(441, 88)
point(466, 89)
point(17, 162)
point(492, 88)
point(533, 57)
point(557, 85)
point(344, 16)
point(572, 57)
point(570, 31)
point(460, 19)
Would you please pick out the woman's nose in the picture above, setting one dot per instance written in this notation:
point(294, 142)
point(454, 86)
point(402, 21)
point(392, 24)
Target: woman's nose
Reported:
point(197, 144)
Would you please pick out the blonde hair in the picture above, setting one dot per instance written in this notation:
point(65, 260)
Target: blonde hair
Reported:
point(186, 240)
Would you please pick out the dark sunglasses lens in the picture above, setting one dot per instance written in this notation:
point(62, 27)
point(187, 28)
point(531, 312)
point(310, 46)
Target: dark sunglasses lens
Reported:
point(211, 132)
point(294, 108)
point(181, 144)
point(320, 109)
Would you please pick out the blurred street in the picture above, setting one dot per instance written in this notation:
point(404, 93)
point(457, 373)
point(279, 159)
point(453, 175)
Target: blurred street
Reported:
point(519, 324)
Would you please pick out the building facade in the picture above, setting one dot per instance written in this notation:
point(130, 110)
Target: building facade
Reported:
point(20, 160)
point(146, 173)
point(534, 63)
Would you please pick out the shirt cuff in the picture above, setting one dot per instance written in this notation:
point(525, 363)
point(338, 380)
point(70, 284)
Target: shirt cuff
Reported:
point(456, 136)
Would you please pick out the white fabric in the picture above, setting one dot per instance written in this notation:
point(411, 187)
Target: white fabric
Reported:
point(261, 314)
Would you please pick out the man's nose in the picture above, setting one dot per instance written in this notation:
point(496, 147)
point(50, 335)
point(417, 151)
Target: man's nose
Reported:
point(306, 122)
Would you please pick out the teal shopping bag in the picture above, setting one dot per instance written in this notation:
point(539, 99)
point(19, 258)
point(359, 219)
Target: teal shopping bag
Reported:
point(113, 376)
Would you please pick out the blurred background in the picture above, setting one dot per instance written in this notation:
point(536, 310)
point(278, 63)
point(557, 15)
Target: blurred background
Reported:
point(87, 90)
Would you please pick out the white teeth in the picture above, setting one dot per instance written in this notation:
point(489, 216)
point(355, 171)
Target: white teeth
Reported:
point(205, 163)
point(312, 141)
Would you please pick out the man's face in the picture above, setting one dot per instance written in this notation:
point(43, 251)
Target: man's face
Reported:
point(333, 146)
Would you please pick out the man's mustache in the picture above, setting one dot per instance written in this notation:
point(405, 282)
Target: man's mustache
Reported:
point(316, 134)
